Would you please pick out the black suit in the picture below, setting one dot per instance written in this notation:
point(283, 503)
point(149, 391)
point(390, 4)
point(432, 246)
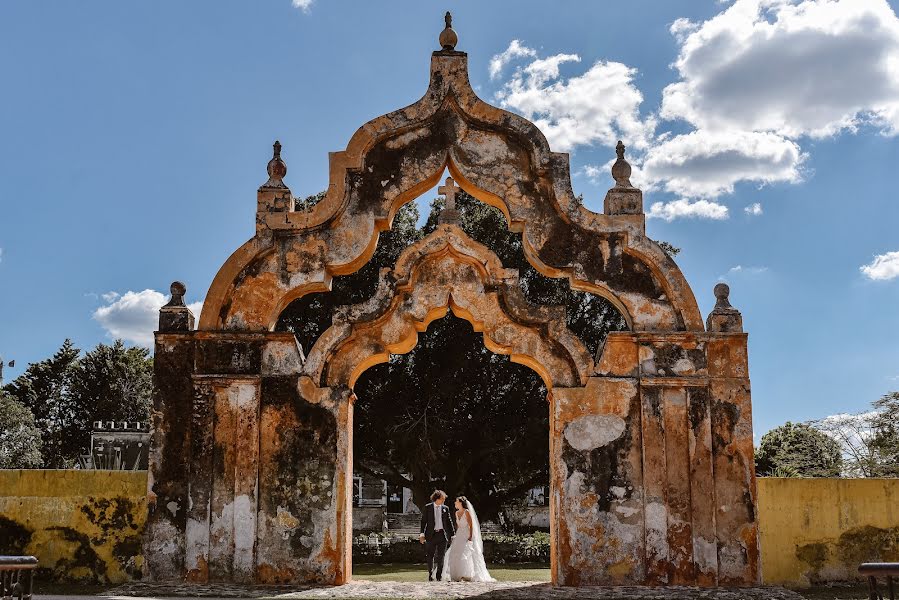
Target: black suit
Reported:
point(436, 540)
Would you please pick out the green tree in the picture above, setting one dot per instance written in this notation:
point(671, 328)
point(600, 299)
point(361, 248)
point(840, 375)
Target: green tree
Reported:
point(869, 441)
point(44, 389)
point(450, 413)
point(20, 439)
point(800, 450)
point(67, 393)
point(109, 383)
point(669, 249)
point(885, 435)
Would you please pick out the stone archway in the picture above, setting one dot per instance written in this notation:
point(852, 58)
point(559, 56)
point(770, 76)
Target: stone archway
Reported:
point(652, 476)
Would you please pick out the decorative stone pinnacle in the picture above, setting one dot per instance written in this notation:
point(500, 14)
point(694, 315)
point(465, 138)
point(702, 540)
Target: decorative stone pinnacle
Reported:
point(449, 214)
point(724, 318)
point(621, 170)
point(448, 37)
point(175, 316)
point(178, 291)
point(722, 294)
point(277, 168)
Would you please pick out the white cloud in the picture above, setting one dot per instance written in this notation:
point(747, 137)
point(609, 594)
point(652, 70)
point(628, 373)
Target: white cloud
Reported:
point(703, 164)
point(812, 67)
point(748, 270)
point(600, 105)
point(303, 5)
point(515, 50)
point(134, 316)
point(883, 268)
point(685, 208)
point(595, 173)
point(1, 254)
point(754, 209)
point(754, 80)
point(740, 270)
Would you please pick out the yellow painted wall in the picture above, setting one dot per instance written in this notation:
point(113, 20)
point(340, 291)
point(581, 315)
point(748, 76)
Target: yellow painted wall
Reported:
point(815, 530)
point(86, 525)
point(81, 525)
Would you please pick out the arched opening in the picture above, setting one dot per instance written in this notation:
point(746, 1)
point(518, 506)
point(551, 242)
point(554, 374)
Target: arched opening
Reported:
point(450, 415)
point(526, 318)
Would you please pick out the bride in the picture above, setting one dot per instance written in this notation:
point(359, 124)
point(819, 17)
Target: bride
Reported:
point(465, 558)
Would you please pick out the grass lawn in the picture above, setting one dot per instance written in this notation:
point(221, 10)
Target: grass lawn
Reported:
point(419, 572)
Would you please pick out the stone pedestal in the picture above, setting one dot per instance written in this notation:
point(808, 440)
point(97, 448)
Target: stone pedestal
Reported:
point(623, 201)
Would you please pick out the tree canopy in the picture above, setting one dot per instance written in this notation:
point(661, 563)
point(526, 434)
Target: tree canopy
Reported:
point(869, 441)
point(20, 439)
point(798, 450)
point(67, 392)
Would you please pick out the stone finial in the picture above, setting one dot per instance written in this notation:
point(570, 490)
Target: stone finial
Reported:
point(724, 318)
point(175, 316)
point(448, 37)
point(277, 168)
point(623, 198)
point(621, 170)
point(722, 296)
point(449, 214)
point(177, 290)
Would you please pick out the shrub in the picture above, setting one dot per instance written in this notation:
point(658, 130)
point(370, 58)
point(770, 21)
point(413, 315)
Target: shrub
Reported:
point(498, 548)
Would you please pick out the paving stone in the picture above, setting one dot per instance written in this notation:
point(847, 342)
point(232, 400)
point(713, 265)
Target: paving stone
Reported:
point(518, 590)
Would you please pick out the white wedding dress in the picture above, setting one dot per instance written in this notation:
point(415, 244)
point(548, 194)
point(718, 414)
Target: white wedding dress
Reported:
point(464, 559)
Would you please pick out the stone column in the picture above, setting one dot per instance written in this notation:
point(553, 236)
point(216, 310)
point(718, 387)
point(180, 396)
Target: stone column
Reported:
point(596, 475)
point(304, 458)
point(734, 464)
point(169, 466)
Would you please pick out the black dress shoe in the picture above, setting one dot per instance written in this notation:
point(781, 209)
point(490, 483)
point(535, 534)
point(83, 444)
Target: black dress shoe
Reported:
point(430, 578)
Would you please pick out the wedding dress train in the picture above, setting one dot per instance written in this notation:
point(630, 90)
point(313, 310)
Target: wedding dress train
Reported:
point(464, 559)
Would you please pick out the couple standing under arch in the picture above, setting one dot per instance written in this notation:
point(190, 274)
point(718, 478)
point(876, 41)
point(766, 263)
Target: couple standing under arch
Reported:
point(452, 540)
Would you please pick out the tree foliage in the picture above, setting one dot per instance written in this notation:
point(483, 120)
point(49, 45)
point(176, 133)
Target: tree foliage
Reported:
point(450, 413)
point(885, 436)
point(20, 439)
point(869, 441)
point(44, 389)
point(798, 450)
point(66, 393)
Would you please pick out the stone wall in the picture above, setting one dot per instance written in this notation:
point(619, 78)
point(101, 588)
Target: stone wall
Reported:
point(818, 530)
point(536, 517)
point(82, 526)
point(86, 525)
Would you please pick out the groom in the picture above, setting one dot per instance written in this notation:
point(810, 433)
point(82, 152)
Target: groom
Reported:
point(437, 530)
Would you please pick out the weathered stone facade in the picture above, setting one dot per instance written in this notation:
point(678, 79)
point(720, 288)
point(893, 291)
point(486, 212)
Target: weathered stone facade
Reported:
point(652, 476)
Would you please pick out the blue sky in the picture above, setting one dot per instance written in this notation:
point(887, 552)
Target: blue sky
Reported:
point(133, 137)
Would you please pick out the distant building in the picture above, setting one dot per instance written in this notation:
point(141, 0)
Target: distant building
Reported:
point(119, 446)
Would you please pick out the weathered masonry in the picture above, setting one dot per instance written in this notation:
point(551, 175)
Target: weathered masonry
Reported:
point(652, 475)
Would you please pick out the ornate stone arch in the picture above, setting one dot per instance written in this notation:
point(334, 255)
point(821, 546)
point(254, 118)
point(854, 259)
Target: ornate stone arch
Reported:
point(651, 458)
point(449, 271)
point(498, 157)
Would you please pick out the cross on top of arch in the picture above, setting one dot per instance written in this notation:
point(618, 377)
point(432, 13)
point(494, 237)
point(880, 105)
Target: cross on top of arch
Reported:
point(450, 214)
